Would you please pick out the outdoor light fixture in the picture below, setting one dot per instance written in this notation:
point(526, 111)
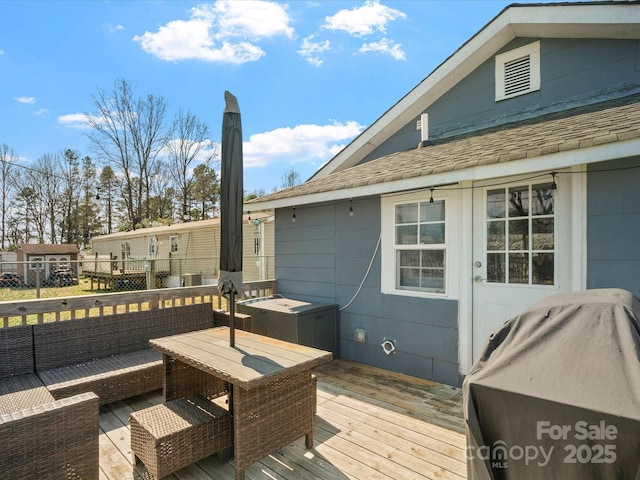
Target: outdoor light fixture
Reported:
point(351, 207)
point(554, 185)
point(431, 199)
point(293, 219)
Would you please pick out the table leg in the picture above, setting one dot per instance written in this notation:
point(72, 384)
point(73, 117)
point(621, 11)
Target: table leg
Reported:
point(167, 380)
point(239, 473)
point(270, 416)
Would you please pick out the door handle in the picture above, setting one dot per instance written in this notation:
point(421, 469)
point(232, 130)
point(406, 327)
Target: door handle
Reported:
point(478, 279)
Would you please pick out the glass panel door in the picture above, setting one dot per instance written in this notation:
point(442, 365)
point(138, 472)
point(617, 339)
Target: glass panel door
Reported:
point(520, 243)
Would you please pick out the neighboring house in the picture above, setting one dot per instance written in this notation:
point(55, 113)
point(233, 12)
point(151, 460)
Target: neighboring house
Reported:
point(8, 262)
point(508, 174)
point(193, 247)
point(40, 260)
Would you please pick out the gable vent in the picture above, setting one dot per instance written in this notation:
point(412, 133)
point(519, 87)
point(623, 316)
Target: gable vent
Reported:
point(517, 76)
point(518, 71)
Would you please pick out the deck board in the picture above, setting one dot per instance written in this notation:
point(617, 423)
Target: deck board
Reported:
point(370, 424)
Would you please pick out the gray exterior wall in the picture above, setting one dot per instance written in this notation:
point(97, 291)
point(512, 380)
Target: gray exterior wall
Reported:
point(322, 257)
point(574, 72)
point(613, 225)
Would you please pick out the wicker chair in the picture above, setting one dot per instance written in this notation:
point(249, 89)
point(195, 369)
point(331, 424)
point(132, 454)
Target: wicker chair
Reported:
point(42, 437)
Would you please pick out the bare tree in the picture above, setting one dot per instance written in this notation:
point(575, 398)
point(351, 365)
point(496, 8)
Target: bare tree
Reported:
point(290, 178)
point(191, 140)
point(149, 138)
point(128, 133)
point(162, 194)
point(47, 184)
point(7, 160)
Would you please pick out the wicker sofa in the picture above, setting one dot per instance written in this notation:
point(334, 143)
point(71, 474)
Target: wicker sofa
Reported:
point(54, 376)
point(42, 437)
point(110, 355)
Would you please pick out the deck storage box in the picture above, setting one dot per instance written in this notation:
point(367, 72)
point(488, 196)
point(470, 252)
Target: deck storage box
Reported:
point(311, 324)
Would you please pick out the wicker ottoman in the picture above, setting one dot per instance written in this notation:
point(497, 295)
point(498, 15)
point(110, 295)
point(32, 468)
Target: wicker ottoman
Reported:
point(172, 435)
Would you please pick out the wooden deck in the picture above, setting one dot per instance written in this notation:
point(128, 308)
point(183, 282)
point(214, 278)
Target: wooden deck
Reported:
point(370, 424)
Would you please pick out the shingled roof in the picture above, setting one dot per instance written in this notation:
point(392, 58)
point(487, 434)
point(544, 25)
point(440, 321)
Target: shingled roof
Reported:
point(580, 128)
point(48, 249)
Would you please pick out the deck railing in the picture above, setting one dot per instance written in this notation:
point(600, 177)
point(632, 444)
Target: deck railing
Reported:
point(26, 312)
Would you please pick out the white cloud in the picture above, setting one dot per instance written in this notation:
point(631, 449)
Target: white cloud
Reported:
point(76, 120)
point(114, 28)
point(1, 52)
point(28, 100)
point(42, 111)
point(253, 19)
point(384, 46)
point(372, 16)
point(222, 32)
point(313, 144)
point(311, 51)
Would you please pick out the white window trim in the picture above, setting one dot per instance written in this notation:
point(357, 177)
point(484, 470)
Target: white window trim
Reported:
point(152, 246)
point(452, 244)
point(533, 51)
point(35, 261)
point(177, 243)
point(125, 249)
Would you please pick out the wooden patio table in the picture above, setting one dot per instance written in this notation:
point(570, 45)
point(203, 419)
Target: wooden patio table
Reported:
point(269, 382)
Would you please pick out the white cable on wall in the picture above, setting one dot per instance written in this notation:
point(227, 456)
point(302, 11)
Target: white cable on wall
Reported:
point(365, 275)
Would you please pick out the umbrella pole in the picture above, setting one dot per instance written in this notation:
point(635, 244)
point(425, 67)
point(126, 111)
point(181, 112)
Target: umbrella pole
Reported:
point(232, 319)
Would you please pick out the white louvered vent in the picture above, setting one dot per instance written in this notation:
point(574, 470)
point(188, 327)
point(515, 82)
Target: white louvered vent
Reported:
point(517, 76)
point(518, 71)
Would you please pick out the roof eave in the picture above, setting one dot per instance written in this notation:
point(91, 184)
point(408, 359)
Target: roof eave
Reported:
point(538, 21)
point(550, 162)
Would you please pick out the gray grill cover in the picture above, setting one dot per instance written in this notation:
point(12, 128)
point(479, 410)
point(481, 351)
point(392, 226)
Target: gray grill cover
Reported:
point(555, 393)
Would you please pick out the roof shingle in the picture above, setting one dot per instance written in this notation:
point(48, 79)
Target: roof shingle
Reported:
point(48, 249)
point(583, 127)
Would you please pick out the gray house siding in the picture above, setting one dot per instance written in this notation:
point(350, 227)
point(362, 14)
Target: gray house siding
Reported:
point(574, 72)
point(305, 254)
point(323, 256)
point(613, 225)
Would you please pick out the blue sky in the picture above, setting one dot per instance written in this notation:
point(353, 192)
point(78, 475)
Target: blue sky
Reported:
point(309, 75)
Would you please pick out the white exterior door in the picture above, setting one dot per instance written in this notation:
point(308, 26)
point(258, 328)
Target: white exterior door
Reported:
point(521, 248)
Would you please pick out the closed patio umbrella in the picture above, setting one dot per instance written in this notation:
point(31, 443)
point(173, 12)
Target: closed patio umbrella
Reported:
point(231, 195)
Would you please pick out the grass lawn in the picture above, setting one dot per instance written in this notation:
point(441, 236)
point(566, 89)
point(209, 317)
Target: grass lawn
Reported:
point(28, 293)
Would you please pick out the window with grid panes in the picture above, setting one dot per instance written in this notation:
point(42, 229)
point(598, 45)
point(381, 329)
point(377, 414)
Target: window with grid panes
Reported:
point(420, 250)
point(520, 239)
